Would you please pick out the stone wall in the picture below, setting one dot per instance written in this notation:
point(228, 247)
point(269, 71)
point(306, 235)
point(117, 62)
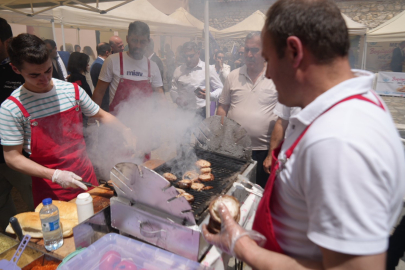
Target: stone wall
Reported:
point(225, 14)
point(372, 13)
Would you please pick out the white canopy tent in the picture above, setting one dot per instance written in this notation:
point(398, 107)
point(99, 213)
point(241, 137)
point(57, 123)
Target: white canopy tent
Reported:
point(252, 23)
point(354, 28)
point(114, 20)
point(186, 18)
point(390, 31)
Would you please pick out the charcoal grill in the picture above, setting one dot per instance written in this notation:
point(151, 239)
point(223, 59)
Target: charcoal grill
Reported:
point(147, 206)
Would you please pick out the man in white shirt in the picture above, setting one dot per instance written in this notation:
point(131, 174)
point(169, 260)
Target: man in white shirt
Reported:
point(129, 71)
point(249, 98)
point(222, 69)
point(337, 187)
point(188, 84)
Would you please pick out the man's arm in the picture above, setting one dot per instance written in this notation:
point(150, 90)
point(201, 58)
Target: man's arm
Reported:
point(277, 136)
point(222, 109)
point(18, 162)
point(259, 258)
point(216, 84)
point(99, 91)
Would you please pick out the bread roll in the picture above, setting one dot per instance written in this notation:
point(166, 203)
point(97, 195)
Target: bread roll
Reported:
point(67, 210)
point(170, 177)
point(206, 177)
point(31, 224)
point(233, 205)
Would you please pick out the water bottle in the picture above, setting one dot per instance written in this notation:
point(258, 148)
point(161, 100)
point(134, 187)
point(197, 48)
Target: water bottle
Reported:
point(51, 229)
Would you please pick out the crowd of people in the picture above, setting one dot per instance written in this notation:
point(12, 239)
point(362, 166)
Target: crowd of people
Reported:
point(327, 151)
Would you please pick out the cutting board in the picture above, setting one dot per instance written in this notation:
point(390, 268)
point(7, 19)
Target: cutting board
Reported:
point(101, 199)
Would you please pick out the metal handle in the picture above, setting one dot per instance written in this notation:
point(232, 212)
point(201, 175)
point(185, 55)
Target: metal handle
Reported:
point(150, 230)
point(16, 227)
point(21, 248)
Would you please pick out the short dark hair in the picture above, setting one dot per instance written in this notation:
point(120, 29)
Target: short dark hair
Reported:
point(317, 23)
point(78, 62)
point(253, 34)
point(218, 52)
point(139, 28)
point(27, 48)
point(50, 42)
point(189, 46)
point(77, 46)
point(5, 30)
point(102, 48)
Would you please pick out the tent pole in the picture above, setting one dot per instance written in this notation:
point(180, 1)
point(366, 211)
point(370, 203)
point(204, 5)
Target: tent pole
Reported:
point(53, 29)
point(63, 36)
point(207, 59)
point(364, 52)
point(78, 36)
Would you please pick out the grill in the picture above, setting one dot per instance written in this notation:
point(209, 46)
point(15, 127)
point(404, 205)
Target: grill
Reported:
point(147, 206)
point(225, 170)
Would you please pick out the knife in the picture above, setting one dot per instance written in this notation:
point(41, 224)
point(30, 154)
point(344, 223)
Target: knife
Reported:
point(90, 185)
point(16, 227)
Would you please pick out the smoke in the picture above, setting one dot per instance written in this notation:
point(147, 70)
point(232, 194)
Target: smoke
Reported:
point(155, 122)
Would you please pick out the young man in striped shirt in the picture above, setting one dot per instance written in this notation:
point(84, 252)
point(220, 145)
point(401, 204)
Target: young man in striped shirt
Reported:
point(44, 117)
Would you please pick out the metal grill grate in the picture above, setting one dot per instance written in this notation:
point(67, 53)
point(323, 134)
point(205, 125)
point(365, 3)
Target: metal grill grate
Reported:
point(225, 170)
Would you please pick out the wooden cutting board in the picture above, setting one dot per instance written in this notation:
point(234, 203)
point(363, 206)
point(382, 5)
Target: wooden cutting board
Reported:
point(101, 199)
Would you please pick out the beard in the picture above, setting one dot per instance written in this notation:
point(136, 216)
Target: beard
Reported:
point(136, 53)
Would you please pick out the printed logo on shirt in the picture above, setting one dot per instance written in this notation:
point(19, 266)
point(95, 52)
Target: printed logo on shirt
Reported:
point(134, 73)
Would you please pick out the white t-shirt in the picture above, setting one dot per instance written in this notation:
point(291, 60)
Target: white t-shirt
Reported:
point(343, 186)
point(285, 113)
point(15, 131)
point(135, 70)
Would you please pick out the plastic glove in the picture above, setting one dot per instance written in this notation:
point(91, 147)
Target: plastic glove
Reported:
point(230, 233)
point(67, 179)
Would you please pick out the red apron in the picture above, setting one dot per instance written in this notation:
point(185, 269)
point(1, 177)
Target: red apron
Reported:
point(57, 143)
point(263, 222)
point(127, 87)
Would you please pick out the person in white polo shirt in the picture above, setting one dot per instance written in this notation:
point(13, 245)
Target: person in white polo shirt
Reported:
point(44, 117)
point(127, 73)
point(130, 76)
point(337, 187)
point(249, 98)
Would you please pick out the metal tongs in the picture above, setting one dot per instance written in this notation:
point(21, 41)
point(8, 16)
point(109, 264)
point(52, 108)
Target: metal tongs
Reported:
point(249, 186)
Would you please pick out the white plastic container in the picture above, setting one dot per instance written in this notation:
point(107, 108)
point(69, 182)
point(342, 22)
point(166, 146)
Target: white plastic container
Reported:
point(51, 229)
point(142, 255)
point(85, 208)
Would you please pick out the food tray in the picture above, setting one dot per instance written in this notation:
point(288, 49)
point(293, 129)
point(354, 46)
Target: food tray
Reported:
point(6, 243)
point(144, 256)
point(27, 257)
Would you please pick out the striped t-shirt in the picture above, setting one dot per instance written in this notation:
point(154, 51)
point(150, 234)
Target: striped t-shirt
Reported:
point(14, 130)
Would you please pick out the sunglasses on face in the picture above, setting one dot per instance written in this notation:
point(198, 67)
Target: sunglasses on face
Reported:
point(220, 57)
point(186, 56)
point(252, 50)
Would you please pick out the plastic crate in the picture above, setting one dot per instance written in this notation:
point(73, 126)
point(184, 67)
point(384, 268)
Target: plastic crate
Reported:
point(144, 256)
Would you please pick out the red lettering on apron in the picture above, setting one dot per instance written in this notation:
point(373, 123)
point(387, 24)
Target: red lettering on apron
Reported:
point(263, 222)
point(57, 143)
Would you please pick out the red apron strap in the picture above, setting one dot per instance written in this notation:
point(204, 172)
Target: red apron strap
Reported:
point(148, 68)
point(289, 152)
point(18, 103)
point(121, 65)
point(77, 92)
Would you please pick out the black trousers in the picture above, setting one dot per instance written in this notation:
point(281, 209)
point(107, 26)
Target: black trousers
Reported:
point(396, 245)
point(261, 175)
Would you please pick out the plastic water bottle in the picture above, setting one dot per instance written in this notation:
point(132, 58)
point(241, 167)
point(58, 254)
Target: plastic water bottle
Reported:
point(51, 228)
